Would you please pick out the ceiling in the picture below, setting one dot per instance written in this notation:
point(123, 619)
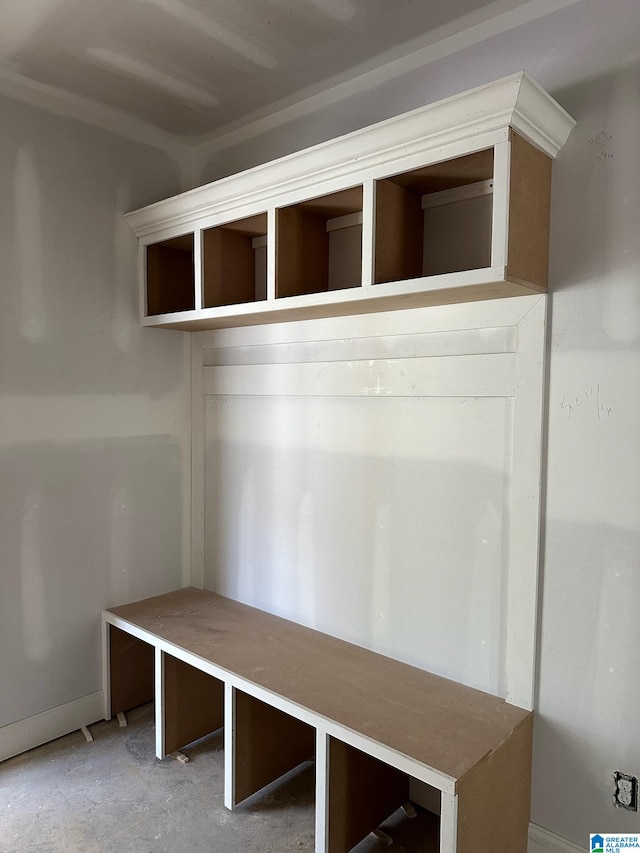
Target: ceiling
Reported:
point(194, 67)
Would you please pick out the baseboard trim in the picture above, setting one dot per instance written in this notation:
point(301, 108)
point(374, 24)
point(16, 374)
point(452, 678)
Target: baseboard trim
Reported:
point(41, 728)
point(544, 841)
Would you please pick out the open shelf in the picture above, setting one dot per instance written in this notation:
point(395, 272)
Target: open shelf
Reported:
point(170, 276)
point(235, 262)
point(435, 220)
point(446, 204)
point(319, 244)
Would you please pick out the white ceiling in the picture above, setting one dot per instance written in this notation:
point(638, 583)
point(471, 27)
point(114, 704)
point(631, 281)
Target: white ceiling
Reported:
point(192, 68)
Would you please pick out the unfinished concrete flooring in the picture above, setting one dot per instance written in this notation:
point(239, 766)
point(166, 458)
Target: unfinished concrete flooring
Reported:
point(114, 795)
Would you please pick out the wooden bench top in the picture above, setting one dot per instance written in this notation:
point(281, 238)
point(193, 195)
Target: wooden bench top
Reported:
point(433, 720)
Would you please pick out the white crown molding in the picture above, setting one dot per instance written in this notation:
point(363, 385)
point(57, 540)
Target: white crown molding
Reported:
point(474, 118)
point(42, 728)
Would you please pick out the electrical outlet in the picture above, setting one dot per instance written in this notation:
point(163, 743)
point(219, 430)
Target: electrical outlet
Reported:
point(625, 792)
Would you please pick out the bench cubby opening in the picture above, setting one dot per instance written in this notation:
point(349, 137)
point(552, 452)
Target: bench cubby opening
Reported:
point(193, 703)
point(435, 220)
point(319, 244)
point(234, 268)
point(131, 671)
point(267, 743)
point(364, 794)
point(170, 276)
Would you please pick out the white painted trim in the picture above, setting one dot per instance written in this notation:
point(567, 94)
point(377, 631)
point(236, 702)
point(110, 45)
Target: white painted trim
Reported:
point(106, 667)
point(524, 533)
point(544, 841)
point(459, 124)
point(41, 728)
point(486, 375)
point(359, 297)
point(438, 318)
point(346, 221)
point(500, 211)
point(229, 746)
point(197, 469)
point(198, 269)
point(448, 823)
point(463, 193)
point(368, 232)
point(322, 792)
point(272, 225)
point(159, 703)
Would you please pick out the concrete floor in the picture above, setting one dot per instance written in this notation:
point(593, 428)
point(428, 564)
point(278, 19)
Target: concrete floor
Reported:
point(114, 795)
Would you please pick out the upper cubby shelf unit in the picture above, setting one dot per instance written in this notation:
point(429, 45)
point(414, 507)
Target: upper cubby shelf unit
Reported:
point(447, 203)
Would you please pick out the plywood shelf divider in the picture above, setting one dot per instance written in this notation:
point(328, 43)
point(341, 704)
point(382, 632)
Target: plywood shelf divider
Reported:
point(407, 199)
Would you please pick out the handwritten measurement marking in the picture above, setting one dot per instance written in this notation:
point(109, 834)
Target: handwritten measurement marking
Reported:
point(572, 404)
point(601, 146)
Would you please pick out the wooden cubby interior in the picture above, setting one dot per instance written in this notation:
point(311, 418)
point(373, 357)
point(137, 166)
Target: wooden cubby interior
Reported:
point(444, 233)
point(235, 262)
point(268, 743)
point(364, 792)
point(170, 276)
point(193, 704)
point(131, 666)
point(313, 253)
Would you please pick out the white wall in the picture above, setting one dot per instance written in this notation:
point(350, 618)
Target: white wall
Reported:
point(589, 684)
point(94, 411)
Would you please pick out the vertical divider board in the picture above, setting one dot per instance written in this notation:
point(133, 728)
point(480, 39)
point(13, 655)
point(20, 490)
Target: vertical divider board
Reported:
point(398, 236)
point(267, 744)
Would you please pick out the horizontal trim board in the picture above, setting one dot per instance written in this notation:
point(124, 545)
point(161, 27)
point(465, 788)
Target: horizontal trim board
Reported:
point(476, 285)
point(489, 375)
point(456, 194)
point(458, 342)
point(463, 316)
point(41, 728)
point(346, 221)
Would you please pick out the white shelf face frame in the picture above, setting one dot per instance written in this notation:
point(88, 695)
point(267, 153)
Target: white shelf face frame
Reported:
point(367, 290)
point(473, 121)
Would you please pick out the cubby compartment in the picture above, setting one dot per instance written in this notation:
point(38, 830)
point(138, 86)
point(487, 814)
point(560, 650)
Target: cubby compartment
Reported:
point(193, 704)
point(267, 744)
point(365, 794)
point(170, 278)
point(131, 671)
point(234, 268)
point(435, 220)
point(319, 244)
